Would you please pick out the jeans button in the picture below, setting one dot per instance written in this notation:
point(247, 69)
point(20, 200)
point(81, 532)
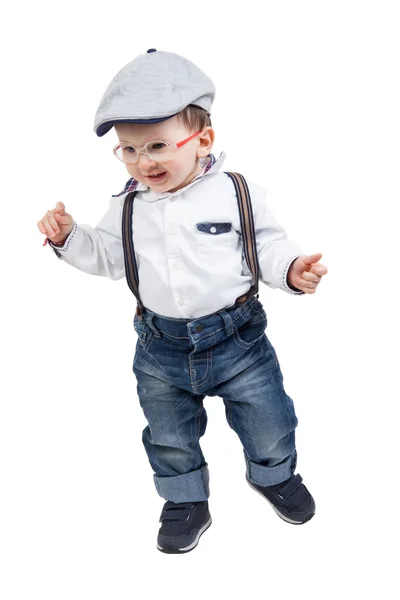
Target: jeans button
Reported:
point(199, 328)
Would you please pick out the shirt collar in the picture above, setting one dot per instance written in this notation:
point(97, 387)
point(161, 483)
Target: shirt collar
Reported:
point(210, 165)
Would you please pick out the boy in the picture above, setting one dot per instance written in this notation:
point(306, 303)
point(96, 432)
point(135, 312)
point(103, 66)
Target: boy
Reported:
point(192, 242)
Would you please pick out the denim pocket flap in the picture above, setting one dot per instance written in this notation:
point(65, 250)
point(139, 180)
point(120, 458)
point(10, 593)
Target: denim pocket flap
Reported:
point(214, 228)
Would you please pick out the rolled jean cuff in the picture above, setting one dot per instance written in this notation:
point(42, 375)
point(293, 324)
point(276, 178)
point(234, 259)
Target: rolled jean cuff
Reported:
point(189, 487)
point(262, 475)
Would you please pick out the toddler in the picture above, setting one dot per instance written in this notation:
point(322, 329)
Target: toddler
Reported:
point(193, 241)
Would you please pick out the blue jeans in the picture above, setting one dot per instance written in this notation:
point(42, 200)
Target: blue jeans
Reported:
point(180, 361)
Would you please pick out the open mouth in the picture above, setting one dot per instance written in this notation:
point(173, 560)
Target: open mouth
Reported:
point(158, 177)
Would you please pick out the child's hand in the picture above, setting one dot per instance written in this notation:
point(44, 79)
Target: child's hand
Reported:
point(56, 223)
point(305, 273)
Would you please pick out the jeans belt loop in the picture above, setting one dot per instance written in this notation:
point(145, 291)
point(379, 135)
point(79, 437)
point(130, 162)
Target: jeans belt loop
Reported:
point(149, 320)
point(228, 321)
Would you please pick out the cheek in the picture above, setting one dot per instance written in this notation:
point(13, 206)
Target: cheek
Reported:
point(182, 165)
point(133, 171)
point(173, 166)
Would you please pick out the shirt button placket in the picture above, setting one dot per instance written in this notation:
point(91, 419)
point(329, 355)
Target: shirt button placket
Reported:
point(175, 263)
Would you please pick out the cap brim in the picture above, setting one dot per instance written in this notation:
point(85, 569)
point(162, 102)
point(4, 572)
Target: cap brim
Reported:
point(105, 127)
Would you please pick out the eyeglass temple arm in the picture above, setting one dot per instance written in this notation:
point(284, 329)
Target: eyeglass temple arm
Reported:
point(188, 139)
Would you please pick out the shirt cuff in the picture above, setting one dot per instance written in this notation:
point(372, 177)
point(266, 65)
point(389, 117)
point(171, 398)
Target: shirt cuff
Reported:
point(66, 244)
point(286, 286)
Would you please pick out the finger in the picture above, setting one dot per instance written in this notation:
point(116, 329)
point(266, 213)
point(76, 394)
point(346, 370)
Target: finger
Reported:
point(62, 219)
point(53, 223)
point(60, 208)
point(307, 285)
point(49, 229)
point(305, 289)
point(41, 227)
point(46, 229)
point(312, 258)
point(319, 269)
point(311, 276)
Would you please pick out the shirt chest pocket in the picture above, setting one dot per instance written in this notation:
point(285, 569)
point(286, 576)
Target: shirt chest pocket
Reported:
point(215, 238)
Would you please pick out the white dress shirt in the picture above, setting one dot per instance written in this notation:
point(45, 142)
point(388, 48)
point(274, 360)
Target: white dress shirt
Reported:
point(186, 271)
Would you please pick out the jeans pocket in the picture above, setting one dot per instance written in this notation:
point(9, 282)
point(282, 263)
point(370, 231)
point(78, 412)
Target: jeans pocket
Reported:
point(251, 332)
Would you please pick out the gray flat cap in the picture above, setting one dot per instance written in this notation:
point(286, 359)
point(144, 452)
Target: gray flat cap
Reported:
point(152, 88)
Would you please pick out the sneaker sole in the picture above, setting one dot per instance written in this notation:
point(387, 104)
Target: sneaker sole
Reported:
point(191, 546)
point(283, 517)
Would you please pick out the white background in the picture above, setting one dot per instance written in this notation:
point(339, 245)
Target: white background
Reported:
point(307, 105)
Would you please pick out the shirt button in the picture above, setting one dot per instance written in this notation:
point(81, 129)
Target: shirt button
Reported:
point(181, 301)
point(172, 231)
point(213, 229)
point(177, 265)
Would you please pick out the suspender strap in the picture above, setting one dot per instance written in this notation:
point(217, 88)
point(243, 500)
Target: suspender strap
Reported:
point(248, 231)
point(131, 270)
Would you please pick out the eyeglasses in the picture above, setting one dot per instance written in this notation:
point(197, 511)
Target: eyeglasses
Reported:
point(157, 150)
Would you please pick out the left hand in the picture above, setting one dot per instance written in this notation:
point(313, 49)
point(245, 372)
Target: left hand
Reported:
point(306, 272)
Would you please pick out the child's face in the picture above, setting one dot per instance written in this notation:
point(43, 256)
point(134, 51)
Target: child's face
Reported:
point(183, 163)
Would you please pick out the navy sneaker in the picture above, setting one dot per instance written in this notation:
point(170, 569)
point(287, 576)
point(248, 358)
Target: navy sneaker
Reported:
point(182, 525)
point(290, 499)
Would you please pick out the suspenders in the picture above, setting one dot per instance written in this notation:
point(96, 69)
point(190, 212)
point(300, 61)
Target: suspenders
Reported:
point(248, 232)
point(131, 271)
point(248, 238)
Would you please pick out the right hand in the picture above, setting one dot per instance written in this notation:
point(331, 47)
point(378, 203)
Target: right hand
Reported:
point(56, 223)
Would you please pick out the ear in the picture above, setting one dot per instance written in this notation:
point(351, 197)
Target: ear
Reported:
point(205, 141)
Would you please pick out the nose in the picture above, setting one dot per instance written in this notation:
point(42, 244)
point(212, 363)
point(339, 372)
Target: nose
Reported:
point(144, 162)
